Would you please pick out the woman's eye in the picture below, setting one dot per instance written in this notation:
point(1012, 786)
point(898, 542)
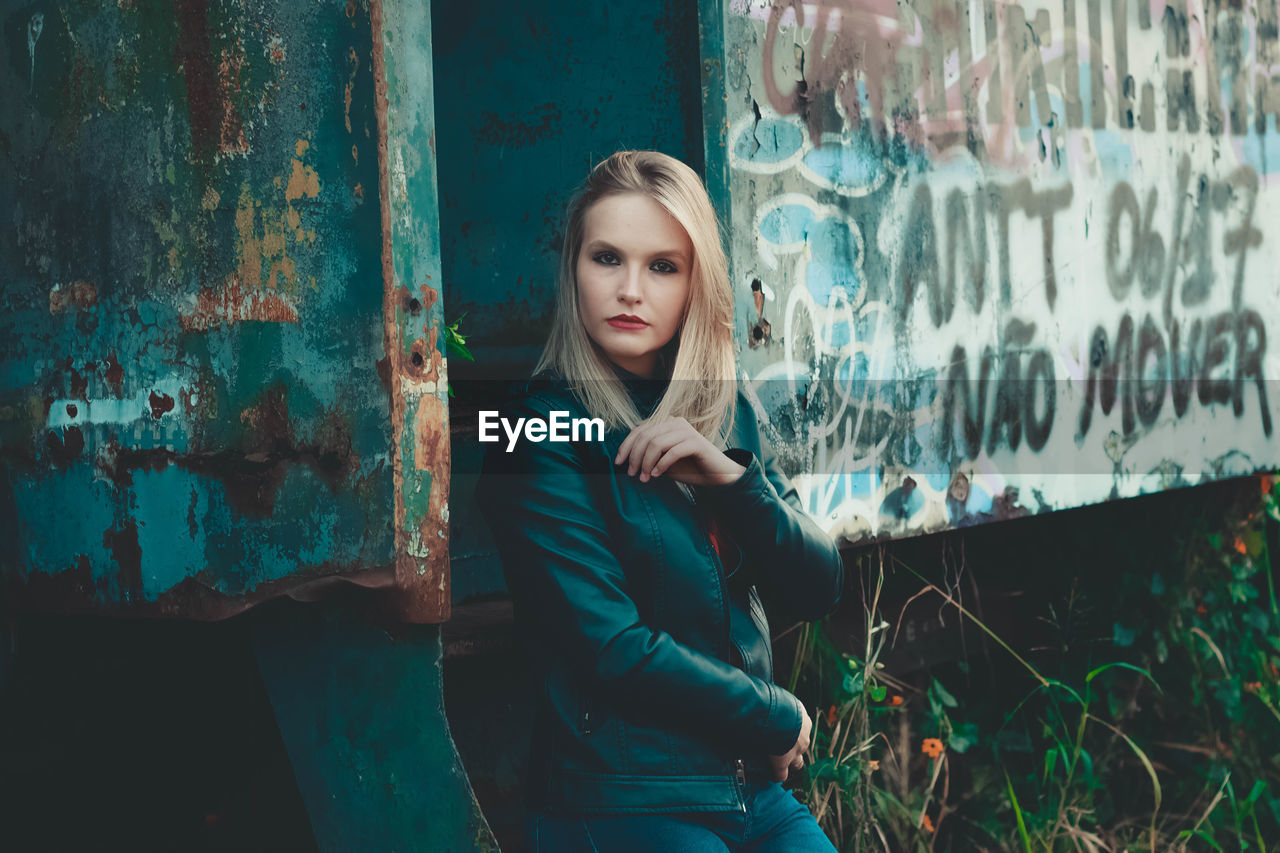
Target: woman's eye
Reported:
point(606, 258)
point(663, 266)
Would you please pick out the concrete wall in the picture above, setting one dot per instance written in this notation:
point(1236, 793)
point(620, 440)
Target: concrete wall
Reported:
point(994, 259)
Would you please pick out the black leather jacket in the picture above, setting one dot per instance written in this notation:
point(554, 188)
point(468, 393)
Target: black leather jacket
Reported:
point(654, 662)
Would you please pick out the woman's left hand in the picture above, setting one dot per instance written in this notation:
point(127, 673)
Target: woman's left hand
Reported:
point(673, 447)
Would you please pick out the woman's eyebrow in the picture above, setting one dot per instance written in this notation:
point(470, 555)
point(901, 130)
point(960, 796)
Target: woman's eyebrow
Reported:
point(602, 245)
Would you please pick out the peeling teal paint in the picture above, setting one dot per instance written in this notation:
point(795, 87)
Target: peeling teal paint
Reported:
point(187, 308)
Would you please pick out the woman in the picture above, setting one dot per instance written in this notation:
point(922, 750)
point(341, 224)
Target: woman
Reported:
point(637, 563)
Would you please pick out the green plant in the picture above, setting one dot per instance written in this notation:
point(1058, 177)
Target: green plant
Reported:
point(456, 343)
point(1140, 727)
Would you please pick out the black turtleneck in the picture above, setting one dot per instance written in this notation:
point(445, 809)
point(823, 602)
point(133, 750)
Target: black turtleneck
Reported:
point(644, 391)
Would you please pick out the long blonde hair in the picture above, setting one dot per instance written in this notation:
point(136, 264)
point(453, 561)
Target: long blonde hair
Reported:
point(703, 386)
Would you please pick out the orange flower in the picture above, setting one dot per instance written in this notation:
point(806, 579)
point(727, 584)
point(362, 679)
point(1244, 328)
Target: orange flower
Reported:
point(927, 823)
point(1266, 484)
point(1253, 686)
point(875, 765)
point(1202, 610)
point(1240, 546)
point(895, 699)
point(831, 716)
point(931, 747)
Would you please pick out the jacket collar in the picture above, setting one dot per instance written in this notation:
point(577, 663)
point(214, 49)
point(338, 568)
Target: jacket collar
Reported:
point(644, 391)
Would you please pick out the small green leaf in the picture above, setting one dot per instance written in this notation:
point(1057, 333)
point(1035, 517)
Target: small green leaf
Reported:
point(963, 738)
point(878, 693)
point(1088, 679)
point(1050, 762)
point(943, 696)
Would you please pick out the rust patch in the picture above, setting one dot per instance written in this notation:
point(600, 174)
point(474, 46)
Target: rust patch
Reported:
point(431, 453)
point(54, 587)
point(268, 421)
point(77, 383)
point(354, 62)
point(65, 449)
point(274, 49)
point(1005, 505)
point(304, 180)
point(231, 138)
point(333, 457)
point(429, 296)
point(81, 294)
point(122, 543)
point(425, 362)
point(412, 601)
point(233, 303)
point(114, 374)
point(197, 71)
point(160, 403)
point(198, 400)
point(117, 464)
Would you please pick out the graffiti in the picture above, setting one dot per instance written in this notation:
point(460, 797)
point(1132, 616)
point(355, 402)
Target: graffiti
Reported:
point(965, 230)
point(1144, 366)
point(1157, 269)
point(983, 248)
point(942, 71)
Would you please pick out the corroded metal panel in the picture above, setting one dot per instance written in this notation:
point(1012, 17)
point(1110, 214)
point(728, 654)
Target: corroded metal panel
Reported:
point(994, 258)
point(413, 313)
point(195, 390)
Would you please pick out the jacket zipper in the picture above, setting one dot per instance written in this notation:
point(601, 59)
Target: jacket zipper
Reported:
point(724, 590)
point(740, 775)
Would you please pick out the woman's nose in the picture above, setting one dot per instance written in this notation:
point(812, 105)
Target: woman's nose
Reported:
point(629, 290)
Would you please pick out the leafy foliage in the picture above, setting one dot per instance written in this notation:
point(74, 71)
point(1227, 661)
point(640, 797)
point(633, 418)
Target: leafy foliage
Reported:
point(455, 343)
point(1149, 720)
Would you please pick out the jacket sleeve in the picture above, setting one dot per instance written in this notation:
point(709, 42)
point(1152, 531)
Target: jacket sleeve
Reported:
point(793, 560)
point(562, 571)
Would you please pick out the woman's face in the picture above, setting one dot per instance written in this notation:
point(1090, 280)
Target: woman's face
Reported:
point(634, 272)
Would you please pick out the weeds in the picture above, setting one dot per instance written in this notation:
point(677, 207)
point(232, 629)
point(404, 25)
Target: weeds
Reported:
point(1136, 740)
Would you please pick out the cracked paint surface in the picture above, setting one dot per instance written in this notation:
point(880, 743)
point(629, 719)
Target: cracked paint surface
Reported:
point(996, 259)
point(411, 261)
point(194, 403)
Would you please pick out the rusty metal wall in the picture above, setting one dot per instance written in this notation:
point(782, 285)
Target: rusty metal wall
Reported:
point(210, 363)
point(995, 259)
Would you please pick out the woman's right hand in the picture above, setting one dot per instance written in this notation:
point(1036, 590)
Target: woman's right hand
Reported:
point(794, 759)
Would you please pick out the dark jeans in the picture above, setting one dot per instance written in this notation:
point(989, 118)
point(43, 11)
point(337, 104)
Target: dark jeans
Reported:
point(775, 822)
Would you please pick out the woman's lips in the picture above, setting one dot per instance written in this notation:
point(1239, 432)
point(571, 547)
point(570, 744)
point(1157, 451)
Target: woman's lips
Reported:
point(619, 323)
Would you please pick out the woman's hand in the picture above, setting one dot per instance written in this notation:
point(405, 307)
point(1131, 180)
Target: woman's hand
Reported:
point(673, 447)
point(793, 760)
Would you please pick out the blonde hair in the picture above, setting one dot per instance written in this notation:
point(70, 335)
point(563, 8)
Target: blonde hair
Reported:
point(703, 388)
